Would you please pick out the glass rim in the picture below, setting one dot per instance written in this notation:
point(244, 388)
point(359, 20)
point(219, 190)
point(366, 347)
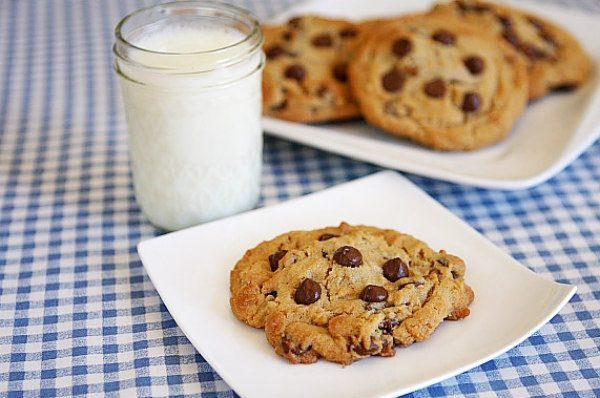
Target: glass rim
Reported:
point(211, 4)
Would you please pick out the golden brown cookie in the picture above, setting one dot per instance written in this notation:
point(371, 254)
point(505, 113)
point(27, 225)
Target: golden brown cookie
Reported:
point(556, 61)
point(439, 83)
point(305, 77)
point(348, 292)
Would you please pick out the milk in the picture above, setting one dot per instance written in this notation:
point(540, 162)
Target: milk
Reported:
point(193, 117)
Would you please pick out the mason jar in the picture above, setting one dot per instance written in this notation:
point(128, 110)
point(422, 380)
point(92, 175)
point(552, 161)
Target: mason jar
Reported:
point(190, 76)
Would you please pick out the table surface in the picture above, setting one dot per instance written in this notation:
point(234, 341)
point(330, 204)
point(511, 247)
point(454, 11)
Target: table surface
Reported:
point(78, 314)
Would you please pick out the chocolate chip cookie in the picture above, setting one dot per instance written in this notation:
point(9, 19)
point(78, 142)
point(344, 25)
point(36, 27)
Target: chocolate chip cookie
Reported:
point(348, 292)
point(305, 77)
point(556, 61)
point(439, 83)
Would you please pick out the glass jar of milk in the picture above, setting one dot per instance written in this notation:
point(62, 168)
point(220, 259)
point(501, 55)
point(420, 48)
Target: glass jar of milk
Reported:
point(191, 81)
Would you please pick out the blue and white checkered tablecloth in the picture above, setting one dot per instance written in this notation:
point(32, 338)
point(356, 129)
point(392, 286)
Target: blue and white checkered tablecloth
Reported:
point(78, 314)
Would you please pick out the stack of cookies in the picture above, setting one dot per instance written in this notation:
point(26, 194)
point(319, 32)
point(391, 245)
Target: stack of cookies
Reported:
point(455, 78)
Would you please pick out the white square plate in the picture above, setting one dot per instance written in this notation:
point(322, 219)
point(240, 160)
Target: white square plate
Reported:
point(550, 134)
point(190, 270)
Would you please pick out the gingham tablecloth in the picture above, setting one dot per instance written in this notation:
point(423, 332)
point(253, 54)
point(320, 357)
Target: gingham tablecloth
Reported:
point(78, 314)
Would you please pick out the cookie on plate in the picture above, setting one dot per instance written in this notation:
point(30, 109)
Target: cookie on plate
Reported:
point(556, 61)
point(305, 77)
point(348, 292)
point(439, 83)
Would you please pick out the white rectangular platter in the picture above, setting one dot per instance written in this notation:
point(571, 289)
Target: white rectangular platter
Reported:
point(551, 133)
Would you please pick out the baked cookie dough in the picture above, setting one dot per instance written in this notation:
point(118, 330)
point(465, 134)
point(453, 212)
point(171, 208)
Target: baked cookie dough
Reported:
point(555, 59)
point(439, 82)
point(306, 74)
point(348, 292)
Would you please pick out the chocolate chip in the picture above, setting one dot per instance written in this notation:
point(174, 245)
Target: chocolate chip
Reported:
point(280, 106)
point(295, 22)
point(401, 47)
point(471, 102)
point(533, 52)
point(308, 292)
point(374, 294)
point(511, 36)
point(322, 40)
point(274, 52)
point(348, 256)
point(504, 21)
point(565, 87)
point(274, 259)
point(444, 37)
point(472, 7)
point(462, 5)
point(548, 37)
point(395, 269)
point(362, 350)
point(348, 32)
point(296, 72)
point(536, 23)
point(393, 80)
point(327, 236)
point(443, 261)
point(340, 72)
point(435, 88)
point(272, 294)
point(480, 8)
point(388, 325)
point(475, 64)
point(287, 36)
